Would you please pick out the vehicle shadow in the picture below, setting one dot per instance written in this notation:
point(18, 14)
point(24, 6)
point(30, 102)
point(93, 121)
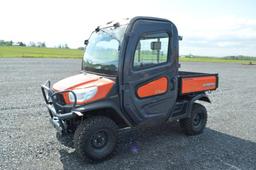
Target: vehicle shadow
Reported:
point(166, 147)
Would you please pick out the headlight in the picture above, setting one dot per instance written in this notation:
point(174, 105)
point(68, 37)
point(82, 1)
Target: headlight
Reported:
point(83, 94)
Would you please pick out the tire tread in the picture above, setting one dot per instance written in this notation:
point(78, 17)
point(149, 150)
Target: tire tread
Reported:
point(187, 125)
point(86, 127)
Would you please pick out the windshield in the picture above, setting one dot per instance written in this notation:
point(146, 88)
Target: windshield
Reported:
point(102, 51)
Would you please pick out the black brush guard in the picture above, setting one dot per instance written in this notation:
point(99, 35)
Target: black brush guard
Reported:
point(58, 111)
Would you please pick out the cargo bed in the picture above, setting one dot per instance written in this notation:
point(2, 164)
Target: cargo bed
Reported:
point(194, 82)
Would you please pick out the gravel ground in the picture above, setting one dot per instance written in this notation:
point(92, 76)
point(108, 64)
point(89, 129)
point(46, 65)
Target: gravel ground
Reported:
point(27, 140)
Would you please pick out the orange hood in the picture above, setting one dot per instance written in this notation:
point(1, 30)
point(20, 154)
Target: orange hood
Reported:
point(84, 80)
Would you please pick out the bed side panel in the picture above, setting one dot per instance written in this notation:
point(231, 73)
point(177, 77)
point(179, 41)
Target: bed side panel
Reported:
point(198, 84)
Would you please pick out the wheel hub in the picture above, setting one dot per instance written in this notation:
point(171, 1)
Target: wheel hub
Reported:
point(99, 140)
point(197, 120)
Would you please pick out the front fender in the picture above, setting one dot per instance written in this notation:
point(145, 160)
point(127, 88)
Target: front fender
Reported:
point(104, 104)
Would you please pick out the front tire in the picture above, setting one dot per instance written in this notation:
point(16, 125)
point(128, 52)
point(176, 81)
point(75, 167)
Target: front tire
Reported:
point(197, 122)
point(95, 138)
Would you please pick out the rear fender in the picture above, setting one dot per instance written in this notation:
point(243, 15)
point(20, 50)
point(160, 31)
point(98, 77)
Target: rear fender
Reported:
point(205, 99)
point(202, 97)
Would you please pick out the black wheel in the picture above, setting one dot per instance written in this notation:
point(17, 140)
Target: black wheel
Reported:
point(197, 122)
point(95, 138)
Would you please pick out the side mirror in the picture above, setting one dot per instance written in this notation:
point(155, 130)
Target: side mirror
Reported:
point(180, 38)
point(86, 42)
point(156, 45)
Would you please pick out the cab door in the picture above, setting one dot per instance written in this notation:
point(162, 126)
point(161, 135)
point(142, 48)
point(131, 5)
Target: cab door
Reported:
point(149, 88)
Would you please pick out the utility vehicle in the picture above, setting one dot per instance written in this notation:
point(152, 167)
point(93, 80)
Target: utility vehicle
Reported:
point(129, 78)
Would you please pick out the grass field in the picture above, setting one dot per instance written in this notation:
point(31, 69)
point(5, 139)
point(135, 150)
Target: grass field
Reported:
point(216, 60)
point(33, 52)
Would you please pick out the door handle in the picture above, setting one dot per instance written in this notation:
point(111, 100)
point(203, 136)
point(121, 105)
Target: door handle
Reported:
point(172, 83)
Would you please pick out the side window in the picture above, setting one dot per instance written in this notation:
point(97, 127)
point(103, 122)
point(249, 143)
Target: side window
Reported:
point(151, 50)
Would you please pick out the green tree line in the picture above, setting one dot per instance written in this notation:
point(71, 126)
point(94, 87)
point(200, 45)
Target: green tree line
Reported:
point(22, 44)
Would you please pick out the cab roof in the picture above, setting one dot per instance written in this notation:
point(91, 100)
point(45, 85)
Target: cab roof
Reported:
point(124, 21)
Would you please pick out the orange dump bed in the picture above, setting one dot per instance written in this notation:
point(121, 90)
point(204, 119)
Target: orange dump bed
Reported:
point(197, 82)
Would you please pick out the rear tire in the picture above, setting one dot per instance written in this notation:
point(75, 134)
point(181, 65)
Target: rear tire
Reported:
point(197, 122)
point(95, 138)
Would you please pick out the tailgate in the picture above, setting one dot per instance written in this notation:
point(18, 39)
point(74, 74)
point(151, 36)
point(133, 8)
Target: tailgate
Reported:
point(198, 83)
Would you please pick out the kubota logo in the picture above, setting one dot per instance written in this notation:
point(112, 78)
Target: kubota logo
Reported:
point(209, 85)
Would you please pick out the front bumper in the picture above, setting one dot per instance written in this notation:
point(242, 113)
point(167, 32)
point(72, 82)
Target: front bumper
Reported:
point(59, 112)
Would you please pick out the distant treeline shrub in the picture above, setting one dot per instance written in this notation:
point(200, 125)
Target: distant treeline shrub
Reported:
point(22, 44)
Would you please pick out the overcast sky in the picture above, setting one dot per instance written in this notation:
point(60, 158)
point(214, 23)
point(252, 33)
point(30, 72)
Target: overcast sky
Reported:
point(209, 27)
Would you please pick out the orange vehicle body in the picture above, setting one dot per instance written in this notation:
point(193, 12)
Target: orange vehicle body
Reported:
point(82, 81)
point(155, 87)
point(198, 84)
